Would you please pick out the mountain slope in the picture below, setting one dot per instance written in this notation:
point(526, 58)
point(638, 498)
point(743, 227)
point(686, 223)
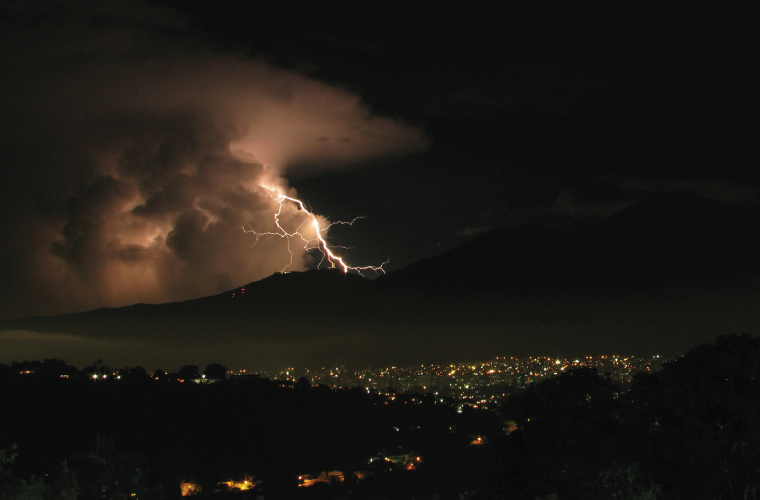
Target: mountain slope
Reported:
point(660, 242)
point(664, 274)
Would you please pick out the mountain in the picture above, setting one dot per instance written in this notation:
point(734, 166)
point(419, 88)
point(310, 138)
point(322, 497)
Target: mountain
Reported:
point(662, 241)
point(664, 274)
point(291, 298)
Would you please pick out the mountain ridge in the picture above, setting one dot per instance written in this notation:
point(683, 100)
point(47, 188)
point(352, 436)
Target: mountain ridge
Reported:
point(664, 273)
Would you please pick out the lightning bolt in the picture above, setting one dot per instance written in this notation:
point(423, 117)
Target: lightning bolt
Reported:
point(318, 243)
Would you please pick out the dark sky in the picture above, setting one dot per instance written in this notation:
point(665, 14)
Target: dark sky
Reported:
point(135, 136)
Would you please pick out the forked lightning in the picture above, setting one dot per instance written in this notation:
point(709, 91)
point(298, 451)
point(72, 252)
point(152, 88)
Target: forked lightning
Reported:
point(318, 243)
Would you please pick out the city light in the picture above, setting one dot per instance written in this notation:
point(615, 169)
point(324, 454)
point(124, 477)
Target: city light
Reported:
point(476, 384)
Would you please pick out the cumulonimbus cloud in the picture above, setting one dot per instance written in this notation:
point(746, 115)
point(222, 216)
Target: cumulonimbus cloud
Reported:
point(133, 157)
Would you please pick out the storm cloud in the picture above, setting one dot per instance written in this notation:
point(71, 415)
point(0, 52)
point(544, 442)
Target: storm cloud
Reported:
point(133, 155)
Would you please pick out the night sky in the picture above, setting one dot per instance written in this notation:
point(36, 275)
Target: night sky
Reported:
point(135, 137)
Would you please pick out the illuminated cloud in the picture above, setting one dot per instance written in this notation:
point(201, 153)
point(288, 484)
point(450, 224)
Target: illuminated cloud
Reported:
point(137, 156)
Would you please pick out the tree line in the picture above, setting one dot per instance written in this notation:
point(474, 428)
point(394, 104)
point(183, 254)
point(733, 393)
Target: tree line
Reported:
point(687, 431)
point(48, 369)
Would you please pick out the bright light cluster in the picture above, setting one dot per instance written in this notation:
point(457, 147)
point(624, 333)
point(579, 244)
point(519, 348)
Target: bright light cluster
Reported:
point(317, 242)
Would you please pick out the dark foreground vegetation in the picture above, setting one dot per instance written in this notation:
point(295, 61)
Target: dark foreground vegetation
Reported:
point(688, 431)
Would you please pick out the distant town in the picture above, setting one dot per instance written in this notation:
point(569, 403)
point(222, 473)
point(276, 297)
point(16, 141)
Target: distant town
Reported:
point(466, 385)
point(474, 382)
point(429, 431)
point(477, 382)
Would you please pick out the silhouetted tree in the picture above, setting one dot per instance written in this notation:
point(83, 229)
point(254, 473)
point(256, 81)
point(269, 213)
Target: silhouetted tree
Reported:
point(55, 368)
point(138, 373)
point(13, 488)
point(97, 369)
point(188, 372)
point(626, 483)
point(106, 473)
point(215, 370)
point(303, 383)
point(693, 426)
point(568, 425)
